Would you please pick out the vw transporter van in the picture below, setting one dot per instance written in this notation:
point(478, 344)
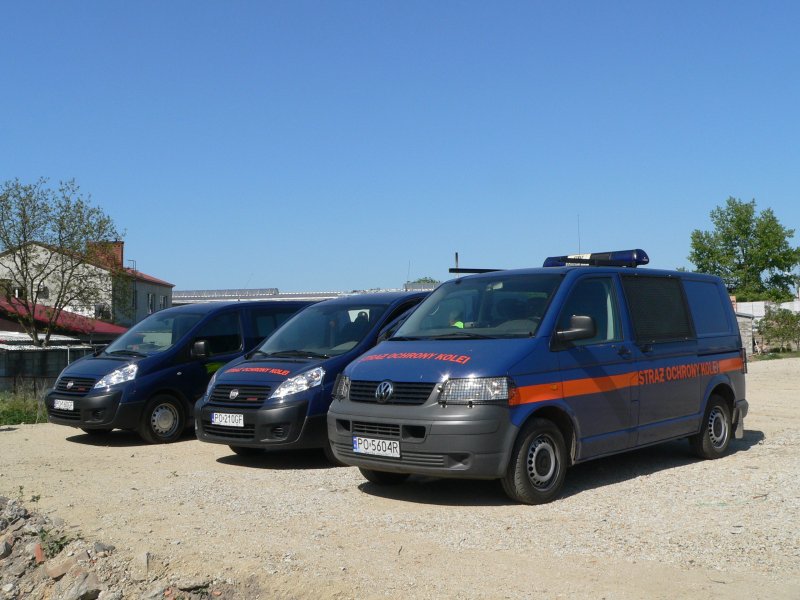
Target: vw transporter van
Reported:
point(519, 374)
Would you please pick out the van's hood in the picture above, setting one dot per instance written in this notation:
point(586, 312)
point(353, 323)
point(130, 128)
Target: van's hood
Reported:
point(98, 366)
point(260, 371)
point(436, 360)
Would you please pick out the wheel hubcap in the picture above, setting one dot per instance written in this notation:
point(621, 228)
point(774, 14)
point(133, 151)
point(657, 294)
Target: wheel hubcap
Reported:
point(717, 428)
point(542, 461)
point(164, 420)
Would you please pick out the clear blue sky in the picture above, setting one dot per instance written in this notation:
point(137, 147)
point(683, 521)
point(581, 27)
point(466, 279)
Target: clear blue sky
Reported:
point(339, 145)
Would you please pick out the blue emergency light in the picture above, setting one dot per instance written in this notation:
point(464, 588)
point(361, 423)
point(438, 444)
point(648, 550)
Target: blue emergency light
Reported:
point(619, 258)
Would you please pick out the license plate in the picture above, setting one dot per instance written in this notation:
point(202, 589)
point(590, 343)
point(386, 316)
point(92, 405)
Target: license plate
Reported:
point(227, 419)
point(59, 404)
point(363, 445)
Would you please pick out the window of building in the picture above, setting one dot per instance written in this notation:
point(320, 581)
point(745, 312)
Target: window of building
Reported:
point(151, 303)
point(162, 304)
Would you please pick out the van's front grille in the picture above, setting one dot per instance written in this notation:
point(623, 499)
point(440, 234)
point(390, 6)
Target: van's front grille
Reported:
point(75, 386)
point(67, 415)
point(383, 430)
point(402, 392)
point(232, 433)
point(241, 395)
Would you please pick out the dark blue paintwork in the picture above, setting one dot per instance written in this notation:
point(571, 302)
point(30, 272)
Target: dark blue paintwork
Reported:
point(296, 420)
point(173, 371)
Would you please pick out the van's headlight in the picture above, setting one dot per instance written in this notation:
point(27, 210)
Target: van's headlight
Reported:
point(211, 383)
point(341, 389)
point(118, 376)
point(300, 383)
point(475, 390)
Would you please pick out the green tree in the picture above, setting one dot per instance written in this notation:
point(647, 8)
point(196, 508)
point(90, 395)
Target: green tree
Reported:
point(781, 326)
point(50, 255)
point(749, 251)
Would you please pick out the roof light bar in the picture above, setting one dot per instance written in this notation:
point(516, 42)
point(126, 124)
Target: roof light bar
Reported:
point(618, 258)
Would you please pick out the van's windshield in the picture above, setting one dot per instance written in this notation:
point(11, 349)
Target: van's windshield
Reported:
point(499, 306)
point(154, 334)
point(322, 331)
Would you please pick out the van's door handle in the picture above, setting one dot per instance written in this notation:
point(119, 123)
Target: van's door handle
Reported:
point(624, 351)
point(646, 347)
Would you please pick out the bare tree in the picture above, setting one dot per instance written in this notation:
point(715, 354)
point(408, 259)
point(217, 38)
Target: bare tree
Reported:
point(57, 253)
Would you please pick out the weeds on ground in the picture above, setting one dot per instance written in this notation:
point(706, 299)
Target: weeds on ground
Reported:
point(53, 544)
point(775, 355)
point(21, 407)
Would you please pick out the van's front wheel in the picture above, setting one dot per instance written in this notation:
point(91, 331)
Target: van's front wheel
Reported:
point(163, 420)
point(538, 464)
point(715, 434)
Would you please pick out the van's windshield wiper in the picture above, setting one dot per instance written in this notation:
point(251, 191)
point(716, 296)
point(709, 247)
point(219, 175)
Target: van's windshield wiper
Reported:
point(406, 338)
point(126, 353)
point(461, 335)
point(298, 353)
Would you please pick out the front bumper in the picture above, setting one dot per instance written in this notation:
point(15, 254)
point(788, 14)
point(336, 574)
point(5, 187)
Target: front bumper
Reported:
point(275, 426)
point(96, 411)
point(453, 441)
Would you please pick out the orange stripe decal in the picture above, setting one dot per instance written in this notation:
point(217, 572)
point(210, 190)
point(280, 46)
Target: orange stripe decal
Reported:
point(545, 392)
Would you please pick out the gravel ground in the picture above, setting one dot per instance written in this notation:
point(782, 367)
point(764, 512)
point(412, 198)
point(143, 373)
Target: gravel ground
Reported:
point(655, 523)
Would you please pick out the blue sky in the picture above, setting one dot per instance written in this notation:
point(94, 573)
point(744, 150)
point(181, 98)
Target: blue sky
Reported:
point(344, 145)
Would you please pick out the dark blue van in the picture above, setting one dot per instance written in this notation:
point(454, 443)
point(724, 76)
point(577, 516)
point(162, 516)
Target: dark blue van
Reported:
point(150, 377)
point(277, 396)
point(516, 375)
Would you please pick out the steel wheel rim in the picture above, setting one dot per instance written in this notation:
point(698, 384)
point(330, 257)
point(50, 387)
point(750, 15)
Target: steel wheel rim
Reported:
point(717, 428)
point(542, 462)
point(164, 420)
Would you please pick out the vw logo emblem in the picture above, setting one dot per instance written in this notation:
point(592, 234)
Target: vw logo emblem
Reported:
point(70, 384)
point(384, 391)
point(233, 395)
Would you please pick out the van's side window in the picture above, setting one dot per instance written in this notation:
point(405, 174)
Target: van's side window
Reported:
point(658, 310)
point(223, 334)
point(708, 306)
point(593, 297)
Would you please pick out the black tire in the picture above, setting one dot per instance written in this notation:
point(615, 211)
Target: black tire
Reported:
point(246, 450)
point(163, 420)
point(97, 432)
point(715, 434)
point(383, 477)
point(538, 464)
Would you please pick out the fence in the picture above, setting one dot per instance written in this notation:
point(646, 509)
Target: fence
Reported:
point(26, 369)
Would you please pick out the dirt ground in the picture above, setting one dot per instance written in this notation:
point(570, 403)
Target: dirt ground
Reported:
point(655, 523)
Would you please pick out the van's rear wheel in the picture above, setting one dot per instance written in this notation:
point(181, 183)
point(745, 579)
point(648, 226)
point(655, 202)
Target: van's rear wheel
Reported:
point(538, 464)
point(163, 420)
point(383, 477)
point(715, 435)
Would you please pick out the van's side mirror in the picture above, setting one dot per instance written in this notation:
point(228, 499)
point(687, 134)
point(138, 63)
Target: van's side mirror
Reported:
point(581, 327)
point(199, 349)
